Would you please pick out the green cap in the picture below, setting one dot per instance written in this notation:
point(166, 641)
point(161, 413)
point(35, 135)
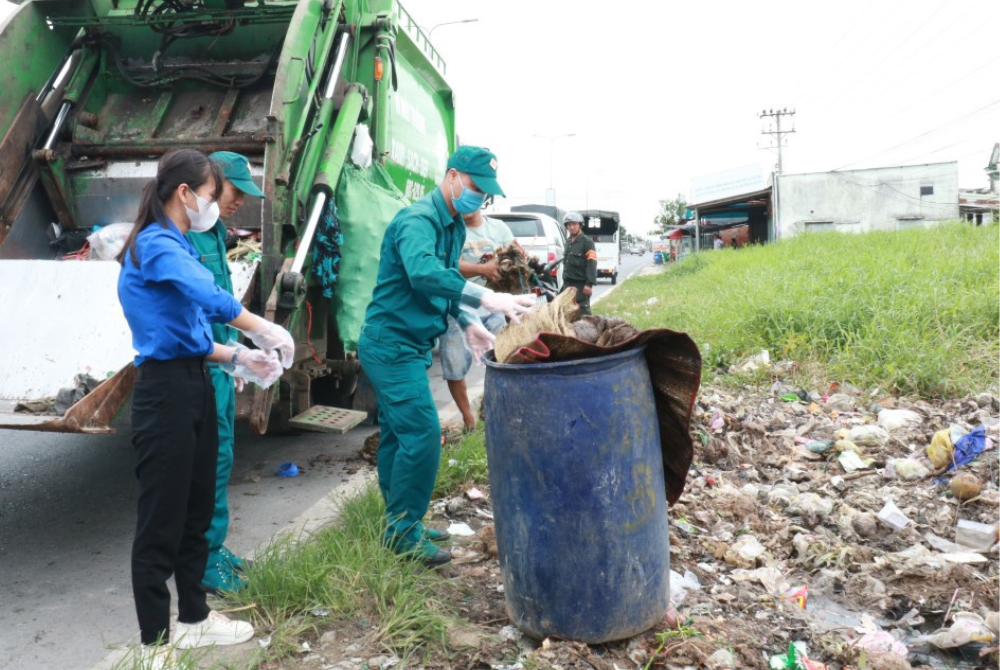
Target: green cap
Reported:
point(236, 168)
point(481, 165)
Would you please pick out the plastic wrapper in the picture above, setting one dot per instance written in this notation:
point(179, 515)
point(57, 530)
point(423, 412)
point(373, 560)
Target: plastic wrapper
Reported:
point(108, 241)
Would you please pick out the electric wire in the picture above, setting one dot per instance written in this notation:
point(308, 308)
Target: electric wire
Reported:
point(924, 134)
point(831, 50)
point(856, 83)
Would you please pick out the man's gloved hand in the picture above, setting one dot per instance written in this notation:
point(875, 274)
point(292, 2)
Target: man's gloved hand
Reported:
point(272, 337)
point(255, 365)
point(512, 306)
point(478, 340)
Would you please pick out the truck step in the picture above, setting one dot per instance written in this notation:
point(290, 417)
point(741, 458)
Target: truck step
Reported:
point(322, 419)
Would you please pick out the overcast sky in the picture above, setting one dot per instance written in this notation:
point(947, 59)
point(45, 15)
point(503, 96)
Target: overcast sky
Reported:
point(659, 92)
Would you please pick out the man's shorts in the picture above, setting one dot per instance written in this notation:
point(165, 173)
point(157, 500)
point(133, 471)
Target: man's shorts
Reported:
point(455, 358)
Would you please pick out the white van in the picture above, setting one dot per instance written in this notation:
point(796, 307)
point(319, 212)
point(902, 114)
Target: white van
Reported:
point(602, 227)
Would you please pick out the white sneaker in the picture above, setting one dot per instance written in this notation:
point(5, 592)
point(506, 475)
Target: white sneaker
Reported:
point(154, 657)
point(215, 629)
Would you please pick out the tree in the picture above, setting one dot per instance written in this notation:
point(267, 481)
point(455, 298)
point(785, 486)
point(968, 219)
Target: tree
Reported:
point(671, 213)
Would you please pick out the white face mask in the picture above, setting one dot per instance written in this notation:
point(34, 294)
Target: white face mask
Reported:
point(207, 215)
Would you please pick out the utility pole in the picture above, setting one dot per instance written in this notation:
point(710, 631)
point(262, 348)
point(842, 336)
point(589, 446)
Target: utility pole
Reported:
point(779, 134)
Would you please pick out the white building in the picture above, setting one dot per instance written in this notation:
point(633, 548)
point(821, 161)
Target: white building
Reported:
point(889, 198)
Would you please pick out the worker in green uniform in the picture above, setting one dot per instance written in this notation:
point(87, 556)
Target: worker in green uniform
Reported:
point(579, 262)
point(418, 287)
point(221, 571)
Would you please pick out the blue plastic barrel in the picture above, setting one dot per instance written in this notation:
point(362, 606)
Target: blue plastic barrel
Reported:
point(576, 479)
point(658, 257)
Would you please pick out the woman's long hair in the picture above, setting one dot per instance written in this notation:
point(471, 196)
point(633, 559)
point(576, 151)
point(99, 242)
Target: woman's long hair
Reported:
point(182, 166)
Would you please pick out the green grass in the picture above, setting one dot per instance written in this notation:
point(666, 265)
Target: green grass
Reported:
point(915, 312)
point(463, 464)
point(344, 570)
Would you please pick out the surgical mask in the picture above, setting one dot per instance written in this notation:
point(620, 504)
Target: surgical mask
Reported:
point(467, 201)
point(206, 217)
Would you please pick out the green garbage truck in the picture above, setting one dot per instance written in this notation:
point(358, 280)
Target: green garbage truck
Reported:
point(345, 115)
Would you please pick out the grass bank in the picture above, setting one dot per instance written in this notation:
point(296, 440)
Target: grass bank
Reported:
point(343, 578)
point(915, 312)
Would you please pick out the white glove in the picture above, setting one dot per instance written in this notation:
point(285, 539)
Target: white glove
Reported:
point(272, 337)
point(478, 340)
point(255, 365)
point(512, 306)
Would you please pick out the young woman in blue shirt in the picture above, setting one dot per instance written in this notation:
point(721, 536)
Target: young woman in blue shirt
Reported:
point(169, 300)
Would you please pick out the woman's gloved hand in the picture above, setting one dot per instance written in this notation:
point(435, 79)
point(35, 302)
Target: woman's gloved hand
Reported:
point(478, 340)
point(272, 337)
point(511, 306)
point(254, 365)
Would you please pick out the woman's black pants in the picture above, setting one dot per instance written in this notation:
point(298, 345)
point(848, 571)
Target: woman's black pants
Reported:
point(176, 443)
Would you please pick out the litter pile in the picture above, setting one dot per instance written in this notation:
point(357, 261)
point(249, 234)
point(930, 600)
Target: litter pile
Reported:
point(515, 274)
point(785, 557)
point(784, 554)
point(832, 530)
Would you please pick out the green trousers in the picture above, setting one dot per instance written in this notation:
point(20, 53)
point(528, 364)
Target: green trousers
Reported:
point(225, 404)
point(409, 449)
point(582, 300)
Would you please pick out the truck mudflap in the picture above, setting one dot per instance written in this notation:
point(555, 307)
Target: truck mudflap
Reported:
point(60, 319)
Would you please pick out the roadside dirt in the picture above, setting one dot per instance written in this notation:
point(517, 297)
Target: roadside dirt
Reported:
point(770, 521)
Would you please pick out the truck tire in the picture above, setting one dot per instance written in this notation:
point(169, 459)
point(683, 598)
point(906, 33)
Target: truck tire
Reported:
point(614, 279)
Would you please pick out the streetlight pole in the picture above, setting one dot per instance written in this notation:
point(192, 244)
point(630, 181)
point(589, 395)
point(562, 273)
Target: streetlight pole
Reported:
point(552, 150)
point(448, 23)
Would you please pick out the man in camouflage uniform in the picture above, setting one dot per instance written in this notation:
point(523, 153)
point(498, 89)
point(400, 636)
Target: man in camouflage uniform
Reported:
point(579, 262)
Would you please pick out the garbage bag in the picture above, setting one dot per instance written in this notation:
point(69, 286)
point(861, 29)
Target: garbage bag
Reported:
point(367, 201)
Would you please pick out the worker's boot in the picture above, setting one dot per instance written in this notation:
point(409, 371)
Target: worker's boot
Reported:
point(221, 578)
point(430, 554)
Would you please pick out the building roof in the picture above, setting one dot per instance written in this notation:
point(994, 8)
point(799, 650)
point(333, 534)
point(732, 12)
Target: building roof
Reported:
point(740, 200)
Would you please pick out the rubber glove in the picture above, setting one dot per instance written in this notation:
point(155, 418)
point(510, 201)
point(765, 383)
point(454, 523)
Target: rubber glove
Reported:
point(478, 340)
point(512, 306)
point(254, 365)
point(272, 337)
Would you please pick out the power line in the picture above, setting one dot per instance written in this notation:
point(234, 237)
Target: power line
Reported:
point(864, 40)
point(826, 56)
point(924, 134)
point(943, 88)
point(892, 51)
point(892, 74)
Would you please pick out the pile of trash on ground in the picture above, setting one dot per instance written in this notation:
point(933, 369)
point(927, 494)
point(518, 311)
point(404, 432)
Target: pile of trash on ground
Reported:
point(842, 529)
point(818, 530)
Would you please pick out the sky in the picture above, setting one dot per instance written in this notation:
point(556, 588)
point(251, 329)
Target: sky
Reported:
point(661, 92)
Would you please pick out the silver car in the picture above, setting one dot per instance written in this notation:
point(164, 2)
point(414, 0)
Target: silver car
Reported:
point(538, 234)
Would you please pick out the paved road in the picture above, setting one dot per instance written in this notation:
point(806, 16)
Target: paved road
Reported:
point(67, 514)
point(629, 266)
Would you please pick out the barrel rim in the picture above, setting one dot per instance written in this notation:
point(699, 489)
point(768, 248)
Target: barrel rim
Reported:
point(490, 362)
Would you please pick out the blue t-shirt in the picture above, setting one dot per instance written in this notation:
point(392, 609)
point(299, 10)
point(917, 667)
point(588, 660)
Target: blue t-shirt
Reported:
point(171, 298)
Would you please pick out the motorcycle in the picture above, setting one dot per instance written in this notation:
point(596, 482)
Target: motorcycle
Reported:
point(544, 281)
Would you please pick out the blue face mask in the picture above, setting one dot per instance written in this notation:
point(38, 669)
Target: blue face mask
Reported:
point(467, 201)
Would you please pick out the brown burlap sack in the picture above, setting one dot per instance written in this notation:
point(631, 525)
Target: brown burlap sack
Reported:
point(546, 317)
point(674, 364)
